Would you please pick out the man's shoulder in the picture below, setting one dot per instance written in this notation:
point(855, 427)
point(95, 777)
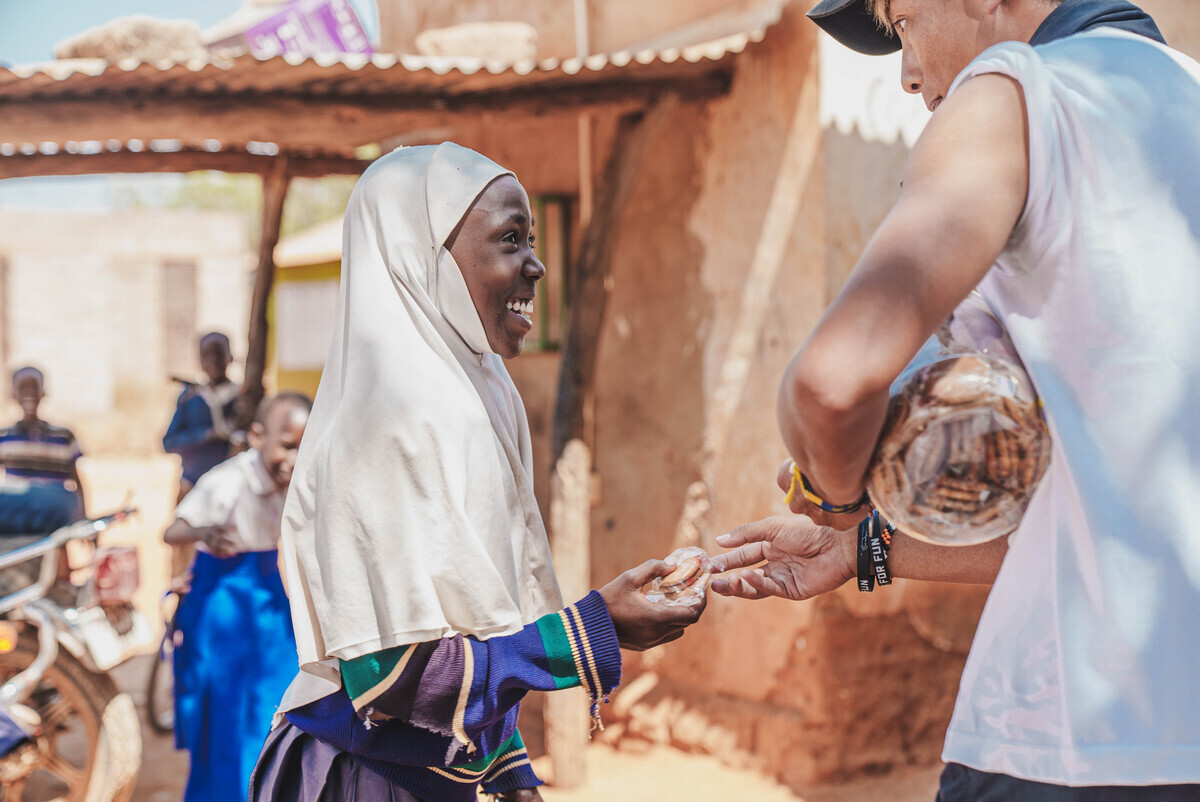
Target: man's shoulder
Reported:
point(1110, 53)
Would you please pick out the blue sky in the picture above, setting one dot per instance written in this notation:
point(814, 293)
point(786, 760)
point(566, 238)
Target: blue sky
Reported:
point(29, 29)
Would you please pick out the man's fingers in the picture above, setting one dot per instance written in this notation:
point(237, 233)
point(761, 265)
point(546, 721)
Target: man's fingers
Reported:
point(756, 532)
point(764, 585)
point(742, 557)
point(720, 587)
point(735, 587)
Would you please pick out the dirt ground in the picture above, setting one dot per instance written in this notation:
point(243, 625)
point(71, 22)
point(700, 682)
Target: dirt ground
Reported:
point(643, 773)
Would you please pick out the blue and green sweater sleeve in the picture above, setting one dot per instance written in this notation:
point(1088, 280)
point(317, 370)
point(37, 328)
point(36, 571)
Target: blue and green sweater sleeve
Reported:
point(460, 686)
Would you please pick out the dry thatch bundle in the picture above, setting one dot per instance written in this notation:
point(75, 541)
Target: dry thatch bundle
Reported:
point(140, 37)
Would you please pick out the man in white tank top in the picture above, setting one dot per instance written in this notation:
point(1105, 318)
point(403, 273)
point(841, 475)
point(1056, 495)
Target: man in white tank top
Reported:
point(1063, 182)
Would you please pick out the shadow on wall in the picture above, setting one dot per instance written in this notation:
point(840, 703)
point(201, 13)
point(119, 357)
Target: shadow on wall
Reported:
point(862, 183)
point(650, 376)
point(785, 688)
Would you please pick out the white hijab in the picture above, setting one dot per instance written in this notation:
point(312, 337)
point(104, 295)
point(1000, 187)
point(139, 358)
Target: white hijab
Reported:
point(411, 514)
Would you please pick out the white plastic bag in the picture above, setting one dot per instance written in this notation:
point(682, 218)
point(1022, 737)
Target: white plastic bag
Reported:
point(687, 584)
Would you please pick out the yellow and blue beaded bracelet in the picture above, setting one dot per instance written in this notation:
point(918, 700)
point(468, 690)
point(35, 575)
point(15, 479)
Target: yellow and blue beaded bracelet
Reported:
point(800, 483)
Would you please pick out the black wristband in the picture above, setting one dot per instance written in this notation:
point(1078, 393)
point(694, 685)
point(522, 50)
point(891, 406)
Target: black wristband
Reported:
point(879, 549)
point(866, 579)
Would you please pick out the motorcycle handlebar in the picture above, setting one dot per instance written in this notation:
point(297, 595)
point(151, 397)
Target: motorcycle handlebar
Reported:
point(47, 549)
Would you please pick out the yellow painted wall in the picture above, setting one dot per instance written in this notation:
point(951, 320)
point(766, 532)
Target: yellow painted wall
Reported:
point(302, 381)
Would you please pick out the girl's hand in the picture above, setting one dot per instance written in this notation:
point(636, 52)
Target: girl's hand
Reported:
point(640, 623)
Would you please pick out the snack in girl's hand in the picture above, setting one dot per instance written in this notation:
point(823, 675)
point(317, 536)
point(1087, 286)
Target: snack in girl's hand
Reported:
point(687, 583)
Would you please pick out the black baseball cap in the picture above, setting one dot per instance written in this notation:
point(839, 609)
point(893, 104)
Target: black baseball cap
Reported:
point(853, 24)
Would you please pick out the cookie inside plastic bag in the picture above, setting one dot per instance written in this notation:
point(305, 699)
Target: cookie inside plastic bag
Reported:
point(964, 445)
point(685, 585)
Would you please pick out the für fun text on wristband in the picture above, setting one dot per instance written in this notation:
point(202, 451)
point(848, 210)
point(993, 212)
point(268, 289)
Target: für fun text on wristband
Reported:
point(866, 578)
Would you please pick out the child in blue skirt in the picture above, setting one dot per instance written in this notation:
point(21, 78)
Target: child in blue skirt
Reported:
point(235, 652)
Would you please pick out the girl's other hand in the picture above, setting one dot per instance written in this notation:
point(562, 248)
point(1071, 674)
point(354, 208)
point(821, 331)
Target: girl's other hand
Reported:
point(640, 623)
point(220, 541)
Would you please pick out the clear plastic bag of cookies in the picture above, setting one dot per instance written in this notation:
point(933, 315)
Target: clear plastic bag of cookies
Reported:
point(686, 584)
point(964, 445)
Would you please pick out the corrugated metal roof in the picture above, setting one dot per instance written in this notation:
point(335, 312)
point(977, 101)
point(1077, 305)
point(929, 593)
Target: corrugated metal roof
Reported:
point(68, 111)
point(351, 74)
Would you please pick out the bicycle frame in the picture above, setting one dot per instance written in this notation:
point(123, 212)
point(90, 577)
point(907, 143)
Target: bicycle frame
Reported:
point(47, 549)
point(50, 623)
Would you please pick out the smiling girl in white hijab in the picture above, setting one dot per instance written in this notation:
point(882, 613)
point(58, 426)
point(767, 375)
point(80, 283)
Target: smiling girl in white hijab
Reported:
point(424, 601)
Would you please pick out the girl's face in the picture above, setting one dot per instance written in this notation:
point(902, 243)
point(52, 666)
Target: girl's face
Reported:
point(493, 246)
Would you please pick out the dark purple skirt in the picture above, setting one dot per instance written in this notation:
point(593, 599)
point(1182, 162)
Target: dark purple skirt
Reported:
point(296, 767)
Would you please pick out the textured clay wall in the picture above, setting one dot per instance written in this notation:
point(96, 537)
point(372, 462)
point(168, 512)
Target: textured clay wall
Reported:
point(731, 246)
point(746, 219)
point(542, 151)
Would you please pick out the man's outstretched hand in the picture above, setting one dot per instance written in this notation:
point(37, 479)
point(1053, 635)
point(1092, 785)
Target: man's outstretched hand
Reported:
point(803, 559)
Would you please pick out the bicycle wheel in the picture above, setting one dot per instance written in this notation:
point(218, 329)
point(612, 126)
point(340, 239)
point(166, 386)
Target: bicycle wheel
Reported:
point(89, 743)
point(160, 690)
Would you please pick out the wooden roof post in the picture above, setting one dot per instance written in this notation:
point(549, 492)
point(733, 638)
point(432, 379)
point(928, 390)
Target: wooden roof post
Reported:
point(275, 184)
point(566, 716)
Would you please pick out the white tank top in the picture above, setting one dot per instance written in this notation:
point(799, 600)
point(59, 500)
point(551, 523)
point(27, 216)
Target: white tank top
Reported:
point(1086, 666)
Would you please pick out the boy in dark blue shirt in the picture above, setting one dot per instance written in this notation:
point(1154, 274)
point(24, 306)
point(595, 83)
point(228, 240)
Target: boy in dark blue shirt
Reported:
point(202, 430)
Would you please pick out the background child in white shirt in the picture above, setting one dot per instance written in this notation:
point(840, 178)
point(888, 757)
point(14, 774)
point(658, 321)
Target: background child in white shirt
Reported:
point(235, 652)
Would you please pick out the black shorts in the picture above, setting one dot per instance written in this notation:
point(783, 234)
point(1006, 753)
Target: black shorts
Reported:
point(962, 784)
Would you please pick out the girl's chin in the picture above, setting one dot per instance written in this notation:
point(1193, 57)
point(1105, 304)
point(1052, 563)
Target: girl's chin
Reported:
point(512, 349)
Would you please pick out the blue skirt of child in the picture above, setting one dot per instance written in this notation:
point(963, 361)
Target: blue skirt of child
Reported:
point(235, 655)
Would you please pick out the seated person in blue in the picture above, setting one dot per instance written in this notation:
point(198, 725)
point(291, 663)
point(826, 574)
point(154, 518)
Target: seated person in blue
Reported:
point(41, 491)
point(236, 652)
point(202, 428)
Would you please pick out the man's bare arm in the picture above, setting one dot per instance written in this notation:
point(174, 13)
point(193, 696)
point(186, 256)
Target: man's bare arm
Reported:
point(964, 191)
point(791, 557)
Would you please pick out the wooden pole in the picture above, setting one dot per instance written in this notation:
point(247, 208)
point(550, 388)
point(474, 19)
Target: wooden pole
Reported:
point(275, 186)
point(589, 294)
point(566, 716)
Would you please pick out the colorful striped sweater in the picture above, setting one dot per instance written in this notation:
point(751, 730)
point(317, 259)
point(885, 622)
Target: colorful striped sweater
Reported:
point(440, 718)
